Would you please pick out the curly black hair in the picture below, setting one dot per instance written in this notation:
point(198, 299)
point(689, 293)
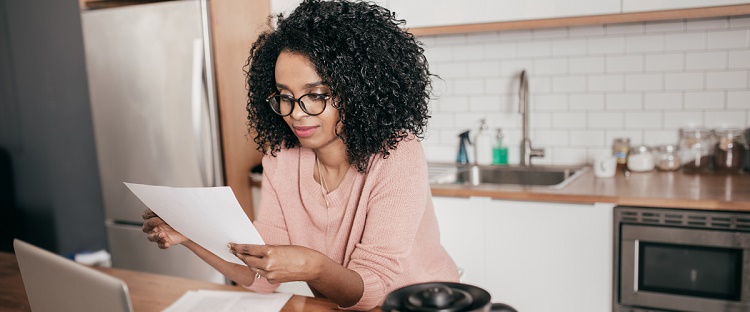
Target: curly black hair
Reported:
point(376, 69)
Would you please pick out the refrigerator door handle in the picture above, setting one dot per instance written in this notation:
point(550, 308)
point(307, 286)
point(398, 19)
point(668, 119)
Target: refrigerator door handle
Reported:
point(213, 109)
point(197, 99)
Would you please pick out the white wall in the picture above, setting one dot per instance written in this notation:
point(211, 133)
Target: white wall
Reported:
point(590, 84)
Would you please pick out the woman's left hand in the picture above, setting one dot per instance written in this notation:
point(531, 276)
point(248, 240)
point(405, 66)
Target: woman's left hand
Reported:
point(280, 263)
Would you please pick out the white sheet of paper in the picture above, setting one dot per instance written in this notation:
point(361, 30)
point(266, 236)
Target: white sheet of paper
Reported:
point(209, 216)
point(222, 300)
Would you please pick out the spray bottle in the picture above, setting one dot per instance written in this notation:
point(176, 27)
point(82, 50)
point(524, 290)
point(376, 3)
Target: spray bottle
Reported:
point(463, 155)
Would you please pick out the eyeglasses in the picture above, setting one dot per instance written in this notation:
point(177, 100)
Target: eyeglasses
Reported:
point(312, 104)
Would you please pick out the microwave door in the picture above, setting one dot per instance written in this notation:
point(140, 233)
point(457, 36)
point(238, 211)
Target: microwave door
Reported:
point(684, 269)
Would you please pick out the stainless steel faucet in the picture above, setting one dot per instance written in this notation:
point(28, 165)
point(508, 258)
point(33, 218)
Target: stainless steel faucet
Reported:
point(523, 107)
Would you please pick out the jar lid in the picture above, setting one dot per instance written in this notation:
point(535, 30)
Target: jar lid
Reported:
point(695, 132)
point(642, 149)
point(730, 132)
point(667, 148)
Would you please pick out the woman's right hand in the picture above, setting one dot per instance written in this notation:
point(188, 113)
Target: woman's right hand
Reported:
point(160, 232)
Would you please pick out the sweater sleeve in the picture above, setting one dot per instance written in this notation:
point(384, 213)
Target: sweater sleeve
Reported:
point(398, 200)
point(269, 221)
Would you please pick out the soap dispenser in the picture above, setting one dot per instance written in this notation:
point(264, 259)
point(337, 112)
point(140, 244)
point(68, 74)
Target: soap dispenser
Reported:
point(463, 155)
point(483, 143)
point(499, 151)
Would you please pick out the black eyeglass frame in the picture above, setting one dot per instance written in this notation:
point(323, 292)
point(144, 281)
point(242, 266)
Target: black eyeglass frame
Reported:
point(328, 96)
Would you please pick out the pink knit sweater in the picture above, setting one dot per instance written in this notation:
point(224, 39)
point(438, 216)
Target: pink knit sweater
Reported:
point(381, 225)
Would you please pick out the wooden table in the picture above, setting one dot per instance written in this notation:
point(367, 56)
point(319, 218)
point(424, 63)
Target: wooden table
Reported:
point(148, 292)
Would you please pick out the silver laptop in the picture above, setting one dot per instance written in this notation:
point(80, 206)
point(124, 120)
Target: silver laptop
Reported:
point(54, 283)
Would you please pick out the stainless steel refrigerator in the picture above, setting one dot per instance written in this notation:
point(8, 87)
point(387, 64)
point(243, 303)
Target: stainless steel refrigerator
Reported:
point(155, 120)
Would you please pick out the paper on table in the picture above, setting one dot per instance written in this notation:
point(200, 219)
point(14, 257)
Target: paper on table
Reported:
point(209, 216)
point(229, 301)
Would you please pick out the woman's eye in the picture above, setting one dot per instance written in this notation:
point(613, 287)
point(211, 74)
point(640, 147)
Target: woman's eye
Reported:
point(319, 96)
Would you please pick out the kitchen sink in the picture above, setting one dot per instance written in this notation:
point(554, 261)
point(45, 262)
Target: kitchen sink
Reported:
point(544, 176)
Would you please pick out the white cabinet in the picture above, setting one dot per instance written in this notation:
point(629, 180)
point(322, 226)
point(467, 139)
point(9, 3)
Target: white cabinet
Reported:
point(629, 6)
point(425, 13)
point(535, 256)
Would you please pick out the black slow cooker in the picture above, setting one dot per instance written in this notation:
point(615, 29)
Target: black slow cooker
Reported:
point(442, 297)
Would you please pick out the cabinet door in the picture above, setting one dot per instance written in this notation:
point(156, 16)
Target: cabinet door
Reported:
point(461, 222)
point(549, 256)
point(629, 6)
point(426, 13)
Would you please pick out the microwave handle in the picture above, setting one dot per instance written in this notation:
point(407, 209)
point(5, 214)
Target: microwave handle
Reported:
point(635, 265)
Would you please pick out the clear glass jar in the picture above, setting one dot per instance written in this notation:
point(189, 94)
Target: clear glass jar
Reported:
point(620, 149)
point(667, 157)
point(696, 149)
point(641, 159)
point(727, 149)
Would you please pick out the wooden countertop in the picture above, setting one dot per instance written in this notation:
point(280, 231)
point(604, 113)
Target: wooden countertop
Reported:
point(711, 191)
point(148, 292)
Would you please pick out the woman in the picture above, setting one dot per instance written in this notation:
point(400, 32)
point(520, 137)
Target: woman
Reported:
point(338, 102)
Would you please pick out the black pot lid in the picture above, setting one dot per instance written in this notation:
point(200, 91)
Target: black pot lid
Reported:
point(437, 296)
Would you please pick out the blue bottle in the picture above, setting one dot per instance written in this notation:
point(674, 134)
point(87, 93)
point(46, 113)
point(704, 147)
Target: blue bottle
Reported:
point(463, 156)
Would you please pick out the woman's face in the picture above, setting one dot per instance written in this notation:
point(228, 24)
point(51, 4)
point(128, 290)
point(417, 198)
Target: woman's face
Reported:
point(295, 77)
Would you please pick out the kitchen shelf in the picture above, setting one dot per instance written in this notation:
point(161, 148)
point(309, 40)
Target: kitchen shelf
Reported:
point(730, 10)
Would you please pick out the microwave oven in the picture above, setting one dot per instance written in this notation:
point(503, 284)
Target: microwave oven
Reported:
point(681, 260)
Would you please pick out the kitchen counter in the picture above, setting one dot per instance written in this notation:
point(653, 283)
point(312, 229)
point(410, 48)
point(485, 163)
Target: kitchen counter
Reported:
point(710, 191)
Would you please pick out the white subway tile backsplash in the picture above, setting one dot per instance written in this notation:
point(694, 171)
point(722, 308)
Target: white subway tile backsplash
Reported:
point(727, 39)
point(513, 35)
point(586, 65)
point(500, 51)
point(598, 83)
point(590, 84)
point(708, 23)
point(587, 102)
point(625, 28)
point(742, 21)
point(635, 136)
point(624, 101)
point(685, 41)
point(641, 120)
point(649, 43)
point(540, 120)
point(549, 33)
point(569, 120)
point(706, 60)
point(739, 59)
point(569, 84)
point(665, 62)
point(452, 104)
point(438, 53)
point(485, 103)
point(665, 26)
point(726, 119)
point(534, 49)
point(663, 101)
point(587, 138)
point(726, 80)
point(549, 102)
point(704, 100)
point(482, 68)
point(550, 66)
point(738, 100)
point(468, 86)
point(550, 138)
point(644, 82)
point(513, 68)
point(605, 120)
point(627, 63)
point(660, 137)
point(468, 52)
point(451, 70)
point(606, 45)
point(569, 47)
point(683, 81)
point(682, 119)
point(586, 31)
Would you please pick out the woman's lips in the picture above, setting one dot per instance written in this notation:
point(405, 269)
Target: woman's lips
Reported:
point(304, 132)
